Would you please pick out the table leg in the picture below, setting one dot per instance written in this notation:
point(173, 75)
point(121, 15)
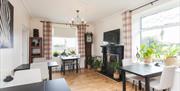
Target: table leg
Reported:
point(147, 85)
point(77, 68)
point(50, 73)
point(124, 80)
point(64, 68)
point(140, 87)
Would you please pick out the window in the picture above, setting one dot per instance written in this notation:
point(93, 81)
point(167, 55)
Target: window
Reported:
point(163, 27)
point(64, 39)
point(59, 44)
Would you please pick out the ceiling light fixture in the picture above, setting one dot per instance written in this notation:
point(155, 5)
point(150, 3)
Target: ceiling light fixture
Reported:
point(78, 20)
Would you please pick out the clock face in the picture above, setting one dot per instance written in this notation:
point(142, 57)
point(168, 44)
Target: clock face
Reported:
point(88, 38)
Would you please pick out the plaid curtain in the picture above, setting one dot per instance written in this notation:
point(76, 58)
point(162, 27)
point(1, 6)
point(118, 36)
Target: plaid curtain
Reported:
point(81, 39)
point(47, 39)
point(127, 34)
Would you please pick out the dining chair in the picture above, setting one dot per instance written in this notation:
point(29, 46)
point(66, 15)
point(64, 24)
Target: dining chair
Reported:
point(176, 81)
point(43, 66)
point(130, 77)
point(59, 62)
point(166, 79)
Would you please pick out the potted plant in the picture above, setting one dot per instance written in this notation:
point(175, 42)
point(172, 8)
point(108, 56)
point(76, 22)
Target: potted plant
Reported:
point(64, 53)
point(89, 62)
point(170, 55)
point(146, 53)
point(55, 54)
point(116, 66)
point(98, 64)
point(158, 52)
point(71, 52)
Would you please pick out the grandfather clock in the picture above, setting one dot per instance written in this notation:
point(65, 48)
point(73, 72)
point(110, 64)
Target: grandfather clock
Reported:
point(88, 45)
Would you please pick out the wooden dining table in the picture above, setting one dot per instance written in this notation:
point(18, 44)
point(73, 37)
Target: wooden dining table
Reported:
point(70, 58)
point(146, 71)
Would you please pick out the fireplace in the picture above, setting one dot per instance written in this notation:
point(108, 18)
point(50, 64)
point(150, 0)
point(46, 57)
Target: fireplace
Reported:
point(111, 53)
point(111, 58)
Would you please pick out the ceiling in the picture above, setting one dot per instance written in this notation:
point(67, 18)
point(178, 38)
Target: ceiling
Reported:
point(90, 10)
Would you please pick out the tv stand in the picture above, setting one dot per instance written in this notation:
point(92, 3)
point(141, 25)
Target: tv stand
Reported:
point(110, 51)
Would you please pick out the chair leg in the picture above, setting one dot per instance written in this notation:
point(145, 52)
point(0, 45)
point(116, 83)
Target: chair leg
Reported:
point(168, 89)
point(142, 89)
point(79, 68)
point(135, 88)
point(133, 84)
point(153, 89)
point(62, 68)
point(73, 67)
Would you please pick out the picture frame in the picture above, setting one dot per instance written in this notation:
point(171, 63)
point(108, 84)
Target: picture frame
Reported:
point(6, 24)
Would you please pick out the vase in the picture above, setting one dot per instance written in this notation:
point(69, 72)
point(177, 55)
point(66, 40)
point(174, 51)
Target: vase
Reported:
point(89, 66)
point(147, 60)
point(170, 61)
point(99, 69)
point(116, 75)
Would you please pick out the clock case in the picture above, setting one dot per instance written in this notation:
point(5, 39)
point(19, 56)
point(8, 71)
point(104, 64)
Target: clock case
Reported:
point(88, 47)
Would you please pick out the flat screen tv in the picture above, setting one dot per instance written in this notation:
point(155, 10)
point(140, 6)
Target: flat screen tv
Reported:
point(112, 37)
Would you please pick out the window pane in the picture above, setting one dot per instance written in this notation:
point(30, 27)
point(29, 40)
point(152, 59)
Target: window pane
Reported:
point(171, 35)
point(59, 44)
point(162, 18)
point(147, 36)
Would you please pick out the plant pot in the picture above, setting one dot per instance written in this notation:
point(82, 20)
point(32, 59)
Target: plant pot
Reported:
point(170, 61)
point(89, 66)
point(147, 60)
point(116, 75)
point(98, 69)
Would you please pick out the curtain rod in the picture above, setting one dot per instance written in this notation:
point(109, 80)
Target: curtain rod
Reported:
point(150, 3)
point(64, 23)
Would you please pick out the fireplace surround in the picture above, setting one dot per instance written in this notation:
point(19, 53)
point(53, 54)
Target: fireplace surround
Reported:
point(111, 52)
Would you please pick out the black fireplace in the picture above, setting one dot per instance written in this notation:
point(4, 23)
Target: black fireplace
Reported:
point(111, 52)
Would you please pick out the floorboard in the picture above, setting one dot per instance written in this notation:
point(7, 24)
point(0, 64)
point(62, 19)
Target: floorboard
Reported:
point(89, 80)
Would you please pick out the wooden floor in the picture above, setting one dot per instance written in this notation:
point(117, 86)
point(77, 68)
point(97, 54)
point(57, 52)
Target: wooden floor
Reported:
point(89, 80)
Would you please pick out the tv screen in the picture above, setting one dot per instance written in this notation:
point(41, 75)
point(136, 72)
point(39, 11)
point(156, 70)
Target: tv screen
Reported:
point(112, 36)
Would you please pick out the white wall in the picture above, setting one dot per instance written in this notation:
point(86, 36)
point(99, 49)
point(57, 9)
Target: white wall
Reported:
point(106, 24)
point(12, 57)
point(35, 23)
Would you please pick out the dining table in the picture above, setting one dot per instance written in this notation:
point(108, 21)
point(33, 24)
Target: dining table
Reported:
point(51, 64)
point(147, 71)
point(50, 85)
point(66, 59)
